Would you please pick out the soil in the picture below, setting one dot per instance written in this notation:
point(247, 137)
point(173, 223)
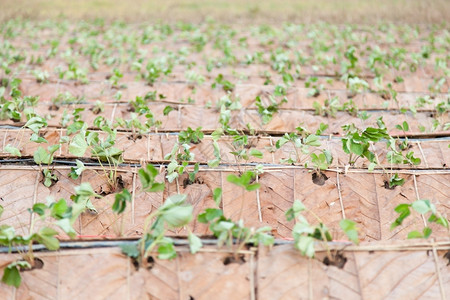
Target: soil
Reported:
point(319, 178)
point(337, 260)
point(239, 259)
point(37, 264)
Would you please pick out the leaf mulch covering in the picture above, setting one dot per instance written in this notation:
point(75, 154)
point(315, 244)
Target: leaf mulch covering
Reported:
point(386, 265)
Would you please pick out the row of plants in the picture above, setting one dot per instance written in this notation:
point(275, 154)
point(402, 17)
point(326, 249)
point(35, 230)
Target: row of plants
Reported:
point(301, 147)
point(54, 218)
point(281, 54)
point(357, 143)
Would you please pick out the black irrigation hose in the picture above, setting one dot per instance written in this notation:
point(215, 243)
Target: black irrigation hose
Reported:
point(438, 136)
point(30, 162)
point(118, 243)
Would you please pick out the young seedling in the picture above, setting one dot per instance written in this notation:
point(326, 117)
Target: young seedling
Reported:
point(267, 112)
point(42, 156)
point(246, 182)
point(51, 214)
point(174, 213)
point(305, 235)
point(320, 163)
point(422, 207)
point(191, 136)
point(226, 85)
point(108, 156)
point(329, 109)
point(301, 140)
point(233, 234)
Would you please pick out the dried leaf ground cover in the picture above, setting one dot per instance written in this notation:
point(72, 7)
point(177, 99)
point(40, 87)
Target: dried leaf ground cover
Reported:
point(302, 133)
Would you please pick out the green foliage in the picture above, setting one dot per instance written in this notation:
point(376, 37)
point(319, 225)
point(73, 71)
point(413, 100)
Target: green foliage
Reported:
point(267, 112)
point(244, 181)
point(321, 161)
point(356, 141)
point(190, 136)
point(174, 213)
point(61, 215)
point(148, 176)
point(75, 172)
point(11, 274)
point(422, 207)
point(395, 180)
point(120, 201)
point(231, 233)
point(226, 85)
point(305, 234)
point(350, 229)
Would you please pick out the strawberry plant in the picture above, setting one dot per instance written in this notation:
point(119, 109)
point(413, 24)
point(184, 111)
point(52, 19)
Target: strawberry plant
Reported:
point(423, 207)
point(51, 214)
point(305, 235)
point(174, 213)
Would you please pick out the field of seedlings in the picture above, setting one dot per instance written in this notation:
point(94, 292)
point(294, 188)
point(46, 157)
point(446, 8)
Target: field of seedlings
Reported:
point(186, 161)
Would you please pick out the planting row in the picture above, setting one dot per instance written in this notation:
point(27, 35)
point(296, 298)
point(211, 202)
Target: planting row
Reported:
point(240, 149)
point(405, 272)
point(327, 196)
point(193, 53)
point(162, 117)
point(292, 97)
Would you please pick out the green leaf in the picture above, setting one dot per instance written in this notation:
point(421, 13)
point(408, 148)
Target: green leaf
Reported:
point(395, 180)
point(46, 237)
point(235, 179)
point(58, 209)
point(166, 250)
point(167, 110)
point(12, 150)
point(130, 249)
point(35, 123)
point(356, 148)
point(85, 189)
point(253, 187)
point(120, 201)
point(312, 140)
point(174, 200)
point(256, 153)
point(78, 146)
point(265, 239)
point(306, 246)
point(421, 206)
point(75, 172)
point(415, 235)
point(427, 232)
point(178, 216)
point(404, 211)
point(37, 139)
point(224, 225)
point(11, 275)
point(349, 227)
point(195, 243)
point(282, 141)
point(439, 220)
point(296, 208)
point(41, 156)
point(217, 196)
point(302, 228)
point(209, 215)
point(405, 126)
point(66, 225)
point(147, 177)
point(244, 180)
point(39, 208)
